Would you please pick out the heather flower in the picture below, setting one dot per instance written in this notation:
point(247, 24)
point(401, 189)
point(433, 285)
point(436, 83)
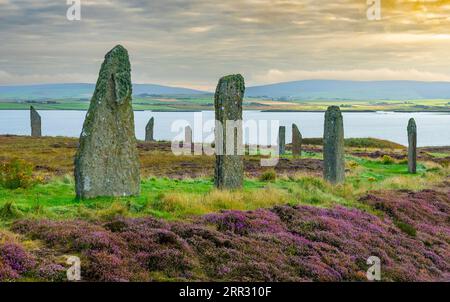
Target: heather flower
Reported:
point(16, 257)
point(301, 243)
point(52, 272)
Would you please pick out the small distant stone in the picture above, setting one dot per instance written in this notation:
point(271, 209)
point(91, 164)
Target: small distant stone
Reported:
point(35, 119)
point(282, 140)
point(412, 146)
point(149, 130)
point(188, 136)
point(297, 141)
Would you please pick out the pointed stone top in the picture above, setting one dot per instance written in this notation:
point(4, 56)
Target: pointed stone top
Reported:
point(34, 112)
point(118, 50)
point(412, 125)
point(150, 122)
point(118, 58)
point(115, 75)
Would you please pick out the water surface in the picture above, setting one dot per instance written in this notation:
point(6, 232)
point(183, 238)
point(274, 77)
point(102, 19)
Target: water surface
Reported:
point(433, 128)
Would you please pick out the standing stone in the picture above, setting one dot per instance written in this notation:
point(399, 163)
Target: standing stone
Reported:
point(282, 140)
point(296, 141)
point(412, 146)
point(35, 119)
point(187, 144)
point(107, 162)
point(333, 146)
point(149, 130)
point(229, 170)
point(188, 136)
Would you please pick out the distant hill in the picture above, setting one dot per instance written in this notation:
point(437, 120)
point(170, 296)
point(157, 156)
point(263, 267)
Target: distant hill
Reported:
point(303, 90)
point(352, 90)
point(62, 91)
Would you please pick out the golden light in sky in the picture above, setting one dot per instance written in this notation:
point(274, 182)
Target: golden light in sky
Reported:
point(191, 43)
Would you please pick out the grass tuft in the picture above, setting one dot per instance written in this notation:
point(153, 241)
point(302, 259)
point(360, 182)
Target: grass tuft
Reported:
point(10, 211)
point(406, 228)
point(268, 176)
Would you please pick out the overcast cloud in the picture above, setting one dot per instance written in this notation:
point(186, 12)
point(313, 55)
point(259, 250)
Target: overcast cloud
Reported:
point(192, 43)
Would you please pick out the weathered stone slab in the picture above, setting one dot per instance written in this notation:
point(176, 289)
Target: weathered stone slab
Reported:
point(188, 136)
point(282, 140)
point(297, 140)
point(333, 146)
point(107, 162)
point(35, 119)
point(229, 170)
point(412, 146)
point(149, 130)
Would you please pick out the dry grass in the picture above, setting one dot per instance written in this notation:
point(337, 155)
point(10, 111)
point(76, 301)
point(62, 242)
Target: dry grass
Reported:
point(215, 201)
point(54, 156)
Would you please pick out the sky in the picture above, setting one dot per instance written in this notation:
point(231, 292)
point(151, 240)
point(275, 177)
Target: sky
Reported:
point(192, 43)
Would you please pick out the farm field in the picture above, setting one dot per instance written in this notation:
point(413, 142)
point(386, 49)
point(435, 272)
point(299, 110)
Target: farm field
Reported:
point(191, 103)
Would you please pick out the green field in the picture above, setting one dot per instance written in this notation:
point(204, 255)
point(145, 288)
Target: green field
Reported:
point(205, 103)
point(179, 199)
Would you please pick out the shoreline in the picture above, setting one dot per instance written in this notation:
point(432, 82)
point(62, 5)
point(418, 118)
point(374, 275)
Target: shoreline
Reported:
point(264, 111)
point(165, 141)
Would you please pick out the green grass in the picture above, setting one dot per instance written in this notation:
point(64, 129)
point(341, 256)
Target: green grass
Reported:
point(406, 228)
point(180, 199)
point(359, 143)
point(380, 171)
point(64, 105)
point(176, 103)
point(439, 154)
point(56, 200)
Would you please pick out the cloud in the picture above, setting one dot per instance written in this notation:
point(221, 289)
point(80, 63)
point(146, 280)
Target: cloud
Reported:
point(195, 42)
point(200, 29)
point(250, 20)
point(7, 78)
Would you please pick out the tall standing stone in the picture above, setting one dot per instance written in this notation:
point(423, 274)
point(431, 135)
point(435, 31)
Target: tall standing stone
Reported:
point(333, 146)
point(412, 146)
point(187, 144)
point(282, 140)
point(107, 162)
point(296, 141)
point(149, 130)
point(229, 170)
point(188, 136)
point(35, 119)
